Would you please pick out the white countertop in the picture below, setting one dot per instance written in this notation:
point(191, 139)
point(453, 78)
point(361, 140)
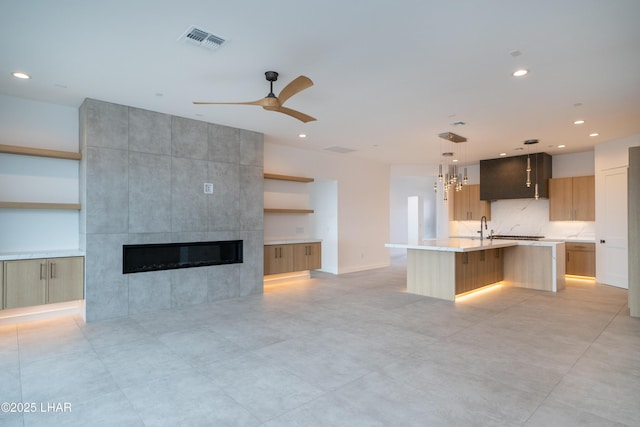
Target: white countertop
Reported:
point(570, 239)
point(468, 245)
point(291, 241)
point(5, 256)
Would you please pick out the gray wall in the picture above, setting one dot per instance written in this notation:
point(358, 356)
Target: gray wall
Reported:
point(141, 181)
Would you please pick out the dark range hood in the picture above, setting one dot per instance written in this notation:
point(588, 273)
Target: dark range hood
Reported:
point(505, 178)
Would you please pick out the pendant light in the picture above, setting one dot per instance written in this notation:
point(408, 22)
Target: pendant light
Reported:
point(529, 142)
point(536, 195)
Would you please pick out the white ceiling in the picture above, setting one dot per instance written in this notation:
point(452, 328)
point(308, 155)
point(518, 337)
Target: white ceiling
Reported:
point(389, 75)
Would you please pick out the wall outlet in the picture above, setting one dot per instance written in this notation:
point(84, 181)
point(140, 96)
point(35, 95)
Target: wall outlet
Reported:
point(299, 230)
point(208, 188)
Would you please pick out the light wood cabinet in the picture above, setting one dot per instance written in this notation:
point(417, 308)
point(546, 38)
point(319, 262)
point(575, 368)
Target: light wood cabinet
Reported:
point(307, 256)
point(42, 281)
point(467, 205)
point(476, 269)
point(292, 257)
point(66, 279)
point(572, 199)
point(1, 284)
point(581, 259)
point(278, 259)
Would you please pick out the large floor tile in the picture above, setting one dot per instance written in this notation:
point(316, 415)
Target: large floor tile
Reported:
point(554, 414)
point(184, 398)
point(262, 386)
point(603, 389)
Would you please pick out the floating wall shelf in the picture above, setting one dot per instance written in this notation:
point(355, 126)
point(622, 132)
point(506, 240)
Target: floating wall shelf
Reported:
point(34, 205)
point(296, 211)
point(287, 178)
point(39, 152)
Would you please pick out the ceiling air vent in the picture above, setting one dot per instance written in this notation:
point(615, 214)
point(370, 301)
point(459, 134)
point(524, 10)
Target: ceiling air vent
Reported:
point(202, 38)
point(338, 149)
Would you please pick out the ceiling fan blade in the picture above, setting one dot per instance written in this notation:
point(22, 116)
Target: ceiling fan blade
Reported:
point(296, 85)
point(258, 102)
point(293, 113)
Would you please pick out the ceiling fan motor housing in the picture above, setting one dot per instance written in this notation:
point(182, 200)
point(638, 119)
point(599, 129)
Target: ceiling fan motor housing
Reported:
point(272, 76)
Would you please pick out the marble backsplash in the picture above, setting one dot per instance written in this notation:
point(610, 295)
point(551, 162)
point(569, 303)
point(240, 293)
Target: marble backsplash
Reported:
point(525, 217)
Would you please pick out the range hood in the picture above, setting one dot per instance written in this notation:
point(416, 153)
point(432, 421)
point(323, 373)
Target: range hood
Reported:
point(505, 177)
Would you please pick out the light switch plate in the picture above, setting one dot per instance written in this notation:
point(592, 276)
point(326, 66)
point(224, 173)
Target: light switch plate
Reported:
point(208, 188)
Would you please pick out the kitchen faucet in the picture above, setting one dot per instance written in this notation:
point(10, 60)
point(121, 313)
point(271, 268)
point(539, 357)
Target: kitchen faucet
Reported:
point(484, 218)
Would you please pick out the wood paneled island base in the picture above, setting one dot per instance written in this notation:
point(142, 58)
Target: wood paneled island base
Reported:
point(444, 268)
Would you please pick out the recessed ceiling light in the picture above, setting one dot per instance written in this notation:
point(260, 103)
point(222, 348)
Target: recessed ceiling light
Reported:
point(561, 146)
point(302, 135)
point(20, 75)
point(455, 160)
point(519, 73)
point(578, 122)
point(503, 154)
point(594, 134)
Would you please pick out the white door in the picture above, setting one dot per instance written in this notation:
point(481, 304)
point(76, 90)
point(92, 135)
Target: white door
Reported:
point(611, 228)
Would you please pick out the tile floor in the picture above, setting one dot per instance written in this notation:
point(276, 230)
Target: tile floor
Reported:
point(354, 350)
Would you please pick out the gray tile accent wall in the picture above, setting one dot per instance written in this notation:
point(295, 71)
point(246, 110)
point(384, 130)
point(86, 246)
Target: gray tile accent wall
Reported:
point(141, 181)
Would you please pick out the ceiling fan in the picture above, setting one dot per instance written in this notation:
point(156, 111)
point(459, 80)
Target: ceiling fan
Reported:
point(274, 103)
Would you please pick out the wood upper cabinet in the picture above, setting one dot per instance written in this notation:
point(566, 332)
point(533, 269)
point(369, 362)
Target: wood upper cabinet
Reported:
point(572, 199)
point(581, 259)
point(42, 281)
point(467, 205)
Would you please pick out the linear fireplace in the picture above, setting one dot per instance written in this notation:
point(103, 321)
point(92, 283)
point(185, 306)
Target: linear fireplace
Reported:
point(169, 256)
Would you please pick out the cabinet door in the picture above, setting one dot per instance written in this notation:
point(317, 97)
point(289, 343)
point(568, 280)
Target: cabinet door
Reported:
point(278, 259)
point(477, 208)
point(460, 204)
point(561, 199)
point(1, 285)
point(581, 259)
point(25, 283)
point(467, 264)
point(306, 256)
point(314, 258)
point(584, 198)
point(66, 279)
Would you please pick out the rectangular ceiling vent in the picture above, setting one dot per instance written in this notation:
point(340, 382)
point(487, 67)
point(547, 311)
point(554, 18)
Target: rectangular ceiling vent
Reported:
point(338, 149)
point(202, 38)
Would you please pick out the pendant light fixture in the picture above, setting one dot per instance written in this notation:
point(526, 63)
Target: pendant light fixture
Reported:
point(529, 142)
point(536, 195)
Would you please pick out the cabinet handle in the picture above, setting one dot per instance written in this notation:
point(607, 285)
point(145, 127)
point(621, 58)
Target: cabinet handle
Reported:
point(465, 258)
point(52, 272)
point(43, 274)
point(568, 256)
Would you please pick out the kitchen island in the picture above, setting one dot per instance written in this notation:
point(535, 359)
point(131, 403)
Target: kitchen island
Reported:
point(444, 268)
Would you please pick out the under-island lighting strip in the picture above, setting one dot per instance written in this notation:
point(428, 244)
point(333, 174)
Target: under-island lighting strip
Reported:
point(581, 278)
point(476, 292)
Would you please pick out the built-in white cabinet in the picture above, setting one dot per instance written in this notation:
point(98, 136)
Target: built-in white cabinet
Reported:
point(29, 282)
